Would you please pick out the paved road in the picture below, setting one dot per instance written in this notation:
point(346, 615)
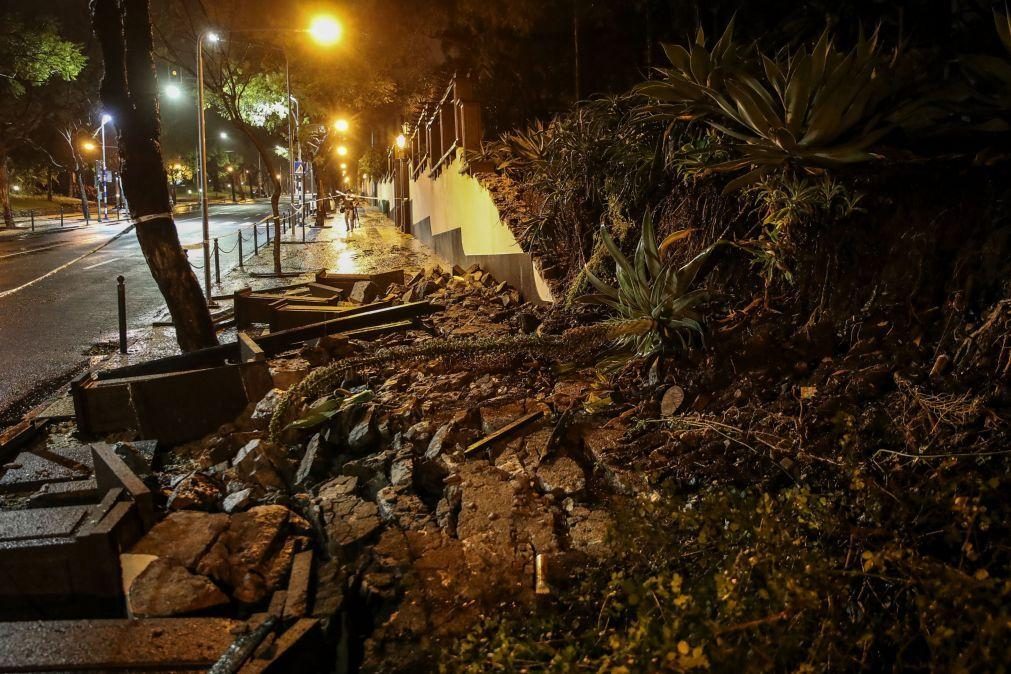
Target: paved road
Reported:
point(47, 328)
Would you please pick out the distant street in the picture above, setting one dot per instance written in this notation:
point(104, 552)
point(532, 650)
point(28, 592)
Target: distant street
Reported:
point(45, 329)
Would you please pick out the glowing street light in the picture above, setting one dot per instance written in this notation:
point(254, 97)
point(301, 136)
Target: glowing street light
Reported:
point(344, 164)
point(325, 30)
point(341, 125)
point(88, 146)
point(342, 150)
point(106, 119)
point(173, 91)
point(401, 141)
point(212, 37)
point(223, 135)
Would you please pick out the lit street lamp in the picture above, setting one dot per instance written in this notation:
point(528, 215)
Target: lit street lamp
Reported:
point(325, 31)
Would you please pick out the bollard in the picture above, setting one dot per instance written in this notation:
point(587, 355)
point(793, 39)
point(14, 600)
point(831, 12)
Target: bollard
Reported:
point(61, 215)
point(303, 230)
point(240, 249)
point(32, 214)
point(217, 264)
point(121, 298)
point(268, 223)
point(256, 243)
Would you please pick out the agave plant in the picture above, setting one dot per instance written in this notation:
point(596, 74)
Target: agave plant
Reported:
point(653, 287)
point(815, 108)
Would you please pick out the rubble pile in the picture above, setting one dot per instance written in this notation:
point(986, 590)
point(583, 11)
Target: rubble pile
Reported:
point(424, 497)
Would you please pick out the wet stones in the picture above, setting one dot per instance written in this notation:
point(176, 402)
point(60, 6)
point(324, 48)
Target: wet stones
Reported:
point(263, 463)
point(165, 588)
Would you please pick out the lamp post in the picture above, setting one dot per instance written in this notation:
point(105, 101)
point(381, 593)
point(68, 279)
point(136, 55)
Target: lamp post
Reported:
point(103, 185)
point(325, 31)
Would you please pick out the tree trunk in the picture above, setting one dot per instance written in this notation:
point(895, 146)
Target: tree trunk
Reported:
point(5, 192)
point(129, 93)
point(85, 209)
point(321, 202)
point(275, 197)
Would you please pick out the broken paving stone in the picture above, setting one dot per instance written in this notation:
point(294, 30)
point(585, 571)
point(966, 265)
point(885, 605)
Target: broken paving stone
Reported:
point(264, 463)
point(563, 475)
point(363, 436)
point(195, 491)
point(264, 409)
point(253, 556)
point(420, 432)
point(314, 462)
point(165, 588)
point(363, 292)
point(348, 521)
point(237, 501)
point(183, 536)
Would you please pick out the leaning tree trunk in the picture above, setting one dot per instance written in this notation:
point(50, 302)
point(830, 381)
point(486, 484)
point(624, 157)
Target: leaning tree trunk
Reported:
point(129, 94)
point(5, 192)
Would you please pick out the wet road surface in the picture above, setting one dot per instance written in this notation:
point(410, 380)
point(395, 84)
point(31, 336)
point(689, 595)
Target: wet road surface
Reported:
point(46, 329)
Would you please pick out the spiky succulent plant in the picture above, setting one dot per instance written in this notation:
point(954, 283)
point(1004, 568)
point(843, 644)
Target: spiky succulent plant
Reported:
point(819, 108)
point(652, 287)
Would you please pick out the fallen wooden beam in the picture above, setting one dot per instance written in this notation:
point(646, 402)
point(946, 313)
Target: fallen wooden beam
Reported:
point(275, 342)
point(287, 315)
point(272, 342)
point(505, 431)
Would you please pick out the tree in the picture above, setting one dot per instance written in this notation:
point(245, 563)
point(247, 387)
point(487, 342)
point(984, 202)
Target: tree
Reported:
point(129, 93)
point(35, 57)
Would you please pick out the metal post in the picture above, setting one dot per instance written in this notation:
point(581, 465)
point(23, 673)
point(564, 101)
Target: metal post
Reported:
point(32, 214)
point(61, 215)
point(256, 243)
point(291, 154)
point(202, 133)
point(239, 233)
point(303, 230)
point(121, 299)
point(217, 262)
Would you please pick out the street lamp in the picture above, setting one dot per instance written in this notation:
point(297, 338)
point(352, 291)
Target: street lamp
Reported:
point(325, 30)
point(173, 91)
point(341, 125)
point(104, 194)
point(401, 141)
point(223, 135)
point(342, 150)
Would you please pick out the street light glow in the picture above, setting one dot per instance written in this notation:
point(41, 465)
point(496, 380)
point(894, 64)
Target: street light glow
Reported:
point(401, 141)
point(325, 30)
point(341, 125)
point(88, 146)
point(213, 37)
point(224, 135)
point(342, 150)
point(106, 119)
point(344, 164)
point(173, 91)
point(16, 188)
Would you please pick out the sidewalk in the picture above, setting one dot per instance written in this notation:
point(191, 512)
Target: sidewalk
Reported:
point(377, 245)
point(72, 220)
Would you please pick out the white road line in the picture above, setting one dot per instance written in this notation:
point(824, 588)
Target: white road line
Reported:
point(99, 264)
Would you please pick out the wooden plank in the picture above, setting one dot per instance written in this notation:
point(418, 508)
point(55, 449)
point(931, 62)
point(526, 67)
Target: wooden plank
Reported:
point(505, 431)
point(284, 649)
point(278, 341)
point(249, 350)
point(285, 315)
point(296, 603)
point(320, 290)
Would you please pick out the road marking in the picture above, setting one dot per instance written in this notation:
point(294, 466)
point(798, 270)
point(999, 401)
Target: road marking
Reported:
point(63, 266)
point(32, 250)
point(99, 264)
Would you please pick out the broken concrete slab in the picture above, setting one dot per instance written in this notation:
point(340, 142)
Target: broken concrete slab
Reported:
point(166, 588)
point(168, 644)
point(183, 536)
